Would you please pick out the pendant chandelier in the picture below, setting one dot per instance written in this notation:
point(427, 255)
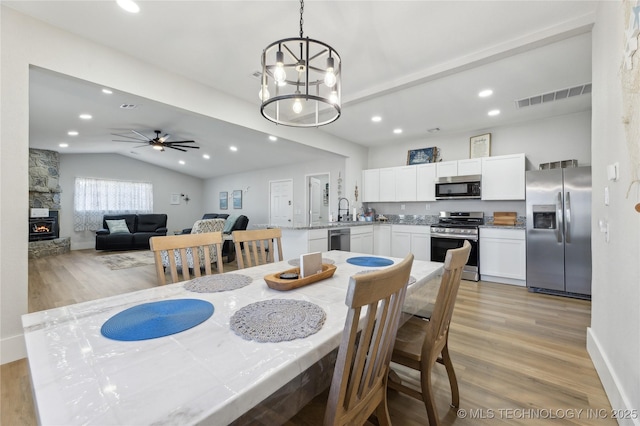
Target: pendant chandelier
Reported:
point(300, 84)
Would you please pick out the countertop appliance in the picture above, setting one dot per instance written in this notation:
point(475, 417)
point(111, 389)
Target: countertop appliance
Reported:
point(458, 187)
point(558, 210)
point(340, 239)
point(452, 229)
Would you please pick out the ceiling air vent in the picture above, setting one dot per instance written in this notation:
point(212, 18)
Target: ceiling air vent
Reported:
point(128, 106)
point(583, 89)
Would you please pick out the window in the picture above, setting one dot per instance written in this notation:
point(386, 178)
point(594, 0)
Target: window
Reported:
point(93, 198)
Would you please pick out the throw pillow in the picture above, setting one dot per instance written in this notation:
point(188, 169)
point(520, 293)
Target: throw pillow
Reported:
point(118, 226)
point(228, 224)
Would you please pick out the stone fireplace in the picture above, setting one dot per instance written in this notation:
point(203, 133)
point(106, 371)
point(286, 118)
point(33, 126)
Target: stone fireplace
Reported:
point(44, 197)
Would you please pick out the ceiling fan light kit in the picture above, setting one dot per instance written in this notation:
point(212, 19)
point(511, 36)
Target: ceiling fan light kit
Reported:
point(158, 143)
point(300, 81)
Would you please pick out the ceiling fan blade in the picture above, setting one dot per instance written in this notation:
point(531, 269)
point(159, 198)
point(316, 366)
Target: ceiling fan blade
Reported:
point(184, 146)
point(179, 149)
point(165, 137)
point(135, 141)
point(141, 135)
point(128, 137)
point(169, 143)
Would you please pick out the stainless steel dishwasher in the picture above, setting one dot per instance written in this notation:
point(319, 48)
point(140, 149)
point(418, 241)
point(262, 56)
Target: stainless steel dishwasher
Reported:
point(340, 239)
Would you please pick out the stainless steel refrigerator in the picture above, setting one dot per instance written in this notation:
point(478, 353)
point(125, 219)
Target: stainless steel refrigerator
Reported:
point(558, 216)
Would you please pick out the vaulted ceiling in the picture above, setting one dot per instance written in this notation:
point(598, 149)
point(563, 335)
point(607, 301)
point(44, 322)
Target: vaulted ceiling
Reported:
point(417, 64)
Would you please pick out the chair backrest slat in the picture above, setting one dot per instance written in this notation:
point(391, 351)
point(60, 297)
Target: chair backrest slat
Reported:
point(440, 320)
point(187, 247)
point(256, 246)
point(359, 383)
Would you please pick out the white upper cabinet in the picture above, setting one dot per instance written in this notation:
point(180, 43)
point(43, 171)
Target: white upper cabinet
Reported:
point(472, 166)
point(371, 183)
point(405, 183)
point(426, 182)
point(503, 177)
point(446, 169)
point(388, 184)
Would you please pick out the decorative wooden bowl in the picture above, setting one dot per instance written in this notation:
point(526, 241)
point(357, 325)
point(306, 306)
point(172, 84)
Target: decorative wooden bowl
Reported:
point(275, 282)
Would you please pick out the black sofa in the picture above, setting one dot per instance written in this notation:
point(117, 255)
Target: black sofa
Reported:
point(141, 228)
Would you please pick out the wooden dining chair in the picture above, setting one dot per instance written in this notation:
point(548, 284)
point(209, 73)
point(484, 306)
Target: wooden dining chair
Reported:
point(257, 246)
point(359, 384)
point(420, 343)
point(183, 247)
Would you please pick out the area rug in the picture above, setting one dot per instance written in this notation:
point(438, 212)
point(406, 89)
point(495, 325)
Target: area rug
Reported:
point(127, 260)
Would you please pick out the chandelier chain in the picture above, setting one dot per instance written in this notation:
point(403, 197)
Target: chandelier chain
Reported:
point(301, 20)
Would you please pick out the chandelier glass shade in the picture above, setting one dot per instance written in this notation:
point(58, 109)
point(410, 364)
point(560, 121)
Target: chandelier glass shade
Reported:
point(300, 82)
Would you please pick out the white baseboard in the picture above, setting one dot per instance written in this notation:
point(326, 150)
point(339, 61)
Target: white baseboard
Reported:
point(618, 400)
point(503, 280)
point(13, 349)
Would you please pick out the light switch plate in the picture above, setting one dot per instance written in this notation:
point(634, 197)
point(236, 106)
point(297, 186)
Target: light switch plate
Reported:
point(606, 195)
point(612, 171)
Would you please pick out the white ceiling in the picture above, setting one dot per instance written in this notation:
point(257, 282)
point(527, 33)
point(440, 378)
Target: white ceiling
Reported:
point(418, 64)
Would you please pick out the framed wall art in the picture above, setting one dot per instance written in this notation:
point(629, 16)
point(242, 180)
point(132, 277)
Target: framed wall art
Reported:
point(237, 199)
point(480, 146)
point(422, 155)
point(224, 200)
point(175, 199)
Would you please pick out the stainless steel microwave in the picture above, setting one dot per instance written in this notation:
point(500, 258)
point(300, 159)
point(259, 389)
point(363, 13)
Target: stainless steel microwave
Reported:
point(458, 187)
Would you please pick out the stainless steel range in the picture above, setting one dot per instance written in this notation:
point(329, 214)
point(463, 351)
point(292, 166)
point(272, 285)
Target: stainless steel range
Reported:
point(452, 229)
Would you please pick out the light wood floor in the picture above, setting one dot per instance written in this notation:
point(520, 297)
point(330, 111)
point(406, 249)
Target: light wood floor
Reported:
point(520, 357)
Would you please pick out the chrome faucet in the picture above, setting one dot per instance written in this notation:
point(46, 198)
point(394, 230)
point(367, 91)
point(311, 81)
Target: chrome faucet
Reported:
point(340, 209)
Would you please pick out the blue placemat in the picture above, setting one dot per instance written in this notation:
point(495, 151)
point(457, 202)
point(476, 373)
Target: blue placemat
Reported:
point(369, 261)
point(156, 319)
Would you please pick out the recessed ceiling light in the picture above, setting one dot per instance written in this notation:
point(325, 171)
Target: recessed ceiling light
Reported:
point(233, 148)
point(273, 138)
point(206, 156)
point(107, 91)
point(494, 112)
point(397, 131)
point(376, 119)
point(181, 162)
point(86, 116)
point(63, 145)
point(129, 5)
point(72, 133)
point(485, 93)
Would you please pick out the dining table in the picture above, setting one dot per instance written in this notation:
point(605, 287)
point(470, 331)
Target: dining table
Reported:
point(210, 373)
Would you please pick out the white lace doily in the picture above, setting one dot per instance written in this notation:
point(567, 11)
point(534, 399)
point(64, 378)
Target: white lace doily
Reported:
point(216, 283)
point(277, 320)
point(296, 262)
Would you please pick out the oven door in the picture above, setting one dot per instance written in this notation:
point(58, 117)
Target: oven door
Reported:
point(440, 243)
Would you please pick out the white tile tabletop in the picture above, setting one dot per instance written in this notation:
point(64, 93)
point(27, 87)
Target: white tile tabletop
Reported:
point(204, 374)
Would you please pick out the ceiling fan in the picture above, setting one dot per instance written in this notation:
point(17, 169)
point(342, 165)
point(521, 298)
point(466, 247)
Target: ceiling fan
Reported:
point(159, 142)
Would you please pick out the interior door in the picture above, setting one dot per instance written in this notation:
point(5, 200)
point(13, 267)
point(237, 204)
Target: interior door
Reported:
point(281, 203)
point(315, 200)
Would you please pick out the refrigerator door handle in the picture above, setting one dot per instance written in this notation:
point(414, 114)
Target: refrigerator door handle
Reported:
point(567, 218)
point(560, 224)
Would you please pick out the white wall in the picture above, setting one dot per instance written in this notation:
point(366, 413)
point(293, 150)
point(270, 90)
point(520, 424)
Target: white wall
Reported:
point(113, 166)
point(565, 137)
point(255, 187)
point(613, 340)
point(25, 42)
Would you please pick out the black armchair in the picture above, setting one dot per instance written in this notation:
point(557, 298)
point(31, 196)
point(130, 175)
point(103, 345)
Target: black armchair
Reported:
point(206, 216)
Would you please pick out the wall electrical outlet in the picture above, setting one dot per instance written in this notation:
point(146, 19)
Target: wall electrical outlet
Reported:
point(401, 206)
point(427, 206)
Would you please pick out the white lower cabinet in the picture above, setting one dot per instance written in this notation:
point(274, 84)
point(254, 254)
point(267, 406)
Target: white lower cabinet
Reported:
point(414, 239)
point(382, 240)
point(362, 239)
point(503, 256)
point(318, 240)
